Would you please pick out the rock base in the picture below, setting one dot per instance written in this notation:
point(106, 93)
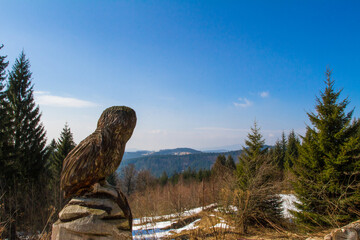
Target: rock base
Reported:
point(95, 218)
point(348, 232)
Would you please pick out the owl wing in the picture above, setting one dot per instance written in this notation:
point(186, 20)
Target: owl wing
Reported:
point(81, 166)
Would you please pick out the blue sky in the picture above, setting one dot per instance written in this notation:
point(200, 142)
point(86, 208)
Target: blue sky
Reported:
point(198, 73)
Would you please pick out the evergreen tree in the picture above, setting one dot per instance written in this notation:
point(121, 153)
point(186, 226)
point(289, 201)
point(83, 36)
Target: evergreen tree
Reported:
point(25, 155)
point(279, 151)
point(61, 149)
point(5, 121)
point(292, 150)
point(249, 160)
point(28, 134)
point(163, 179)
point(206, 174)
point(328, 167)
point(230, 164)
point(219, 166)
point(255, 174)
point(64, 145)
point(255, 143)
point(51, 149)
point(174, 179)
point(200, 175)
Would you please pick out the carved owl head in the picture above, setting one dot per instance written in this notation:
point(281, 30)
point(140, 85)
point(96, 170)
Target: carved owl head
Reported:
point(116, 119)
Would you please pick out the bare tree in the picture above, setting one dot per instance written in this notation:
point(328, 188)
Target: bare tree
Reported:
point(144, 180)
point(128, 179)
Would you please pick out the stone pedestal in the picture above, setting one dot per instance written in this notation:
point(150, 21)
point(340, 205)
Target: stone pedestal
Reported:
point(95, 218)
point(348, 232)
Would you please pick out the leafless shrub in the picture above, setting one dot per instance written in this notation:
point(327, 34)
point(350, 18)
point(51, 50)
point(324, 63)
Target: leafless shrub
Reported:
point(157, 200)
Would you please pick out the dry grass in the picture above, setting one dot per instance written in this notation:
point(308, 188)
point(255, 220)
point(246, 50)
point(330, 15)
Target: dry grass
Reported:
point(158, 200)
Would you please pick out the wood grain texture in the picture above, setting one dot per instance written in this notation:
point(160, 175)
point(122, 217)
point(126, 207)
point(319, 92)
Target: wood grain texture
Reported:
point(100, 154)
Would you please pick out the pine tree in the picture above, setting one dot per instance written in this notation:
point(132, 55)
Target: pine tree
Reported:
point(256, 187)
point(25, 161)
point(249, 160)
point(292, 150)
point(219, 165)
point(328, 167)
point(279, 151)
point(163, 179)
point(255, 143)
point(200, 175)
point(64, 145)
point(230, 164)
point(28, 134)
point(51, 149)
point(5, 121)
point(6, 166)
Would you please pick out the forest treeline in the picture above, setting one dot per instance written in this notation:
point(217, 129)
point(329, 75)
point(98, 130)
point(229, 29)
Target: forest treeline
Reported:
point(322, 168)
point(171, 163)
point(29, 170)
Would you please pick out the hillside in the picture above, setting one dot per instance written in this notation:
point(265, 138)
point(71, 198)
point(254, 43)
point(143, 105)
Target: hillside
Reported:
point(172, 160)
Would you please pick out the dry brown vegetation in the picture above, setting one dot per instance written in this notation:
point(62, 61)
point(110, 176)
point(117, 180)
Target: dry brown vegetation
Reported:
point(26, 204)
point(158, 200)
point(150, 198)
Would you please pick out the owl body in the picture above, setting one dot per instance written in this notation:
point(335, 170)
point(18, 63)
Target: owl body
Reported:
point(100, 154)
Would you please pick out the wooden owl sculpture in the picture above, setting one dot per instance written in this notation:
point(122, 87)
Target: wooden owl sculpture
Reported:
point(100, 154)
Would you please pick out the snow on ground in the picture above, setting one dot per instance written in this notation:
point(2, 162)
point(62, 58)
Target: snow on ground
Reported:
point(149, 228)
point(154, 225)
point(288, 203)
point(158, 233)
point(150, 234)
point(159, 226)
point(190, 226)
point(174, 215)
point(223, 226)
point(228, 209)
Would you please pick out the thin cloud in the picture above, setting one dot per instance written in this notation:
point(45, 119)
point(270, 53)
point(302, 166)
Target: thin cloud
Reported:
point(46, 99)
point(158, 131)
point(41, 92)
point(222, 129)
point(244, 103)
point(264, 94)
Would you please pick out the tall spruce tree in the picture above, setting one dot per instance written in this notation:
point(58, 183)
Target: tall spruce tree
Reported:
point(28, 134)
point(219, 166)
point(51, 149)
point(328, 168)
point(5, 121)
point(292, 150)
point(64, 145)
point(25, 158)
point(279, 151)
point(230, 163)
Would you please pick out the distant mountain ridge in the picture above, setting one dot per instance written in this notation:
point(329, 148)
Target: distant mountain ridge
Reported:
point(175, 151)
point(172, 160)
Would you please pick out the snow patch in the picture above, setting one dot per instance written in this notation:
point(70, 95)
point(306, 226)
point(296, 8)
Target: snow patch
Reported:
point(288, 204)
point(223, 225)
